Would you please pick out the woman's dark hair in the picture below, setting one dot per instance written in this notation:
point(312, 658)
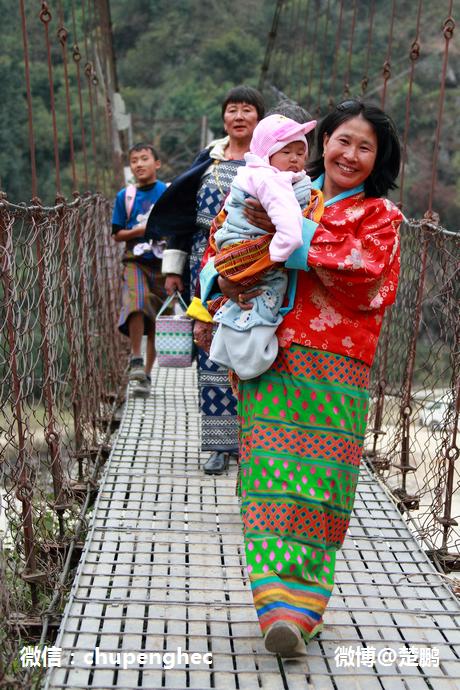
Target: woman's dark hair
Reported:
point(387, 162)
point(245, 94)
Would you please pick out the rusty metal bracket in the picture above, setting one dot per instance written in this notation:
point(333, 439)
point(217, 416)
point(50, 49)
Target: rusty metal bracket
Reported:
point(406, 501)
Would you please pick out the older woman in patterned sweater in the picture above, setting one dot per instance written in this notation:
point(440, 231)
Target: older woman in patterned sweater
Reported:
point(185, 213)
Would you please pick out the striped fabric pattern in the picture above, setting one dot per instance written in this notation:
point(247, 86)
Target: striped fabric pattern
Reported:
point(244, 263)
point(302, 432)
point(142, 290)
point(247, 261)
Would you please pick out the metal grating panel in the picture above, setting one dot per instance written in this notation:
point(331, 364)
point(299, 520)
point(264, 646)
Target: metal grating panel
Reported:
point(163, 568)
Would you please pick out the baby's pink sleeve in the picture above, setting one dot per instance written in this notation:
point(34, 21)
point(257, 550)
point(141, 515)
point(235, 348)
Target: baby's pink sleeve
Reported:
point(276, 194)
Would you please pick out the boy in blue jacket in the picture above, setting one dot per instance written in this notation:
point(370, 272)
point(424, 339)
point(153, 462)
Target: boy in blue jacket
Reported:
point(143, 285)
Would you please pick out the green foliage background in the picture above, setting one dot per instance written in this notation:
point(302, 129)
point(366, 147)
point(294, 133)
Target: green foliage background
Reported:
point(176, 60)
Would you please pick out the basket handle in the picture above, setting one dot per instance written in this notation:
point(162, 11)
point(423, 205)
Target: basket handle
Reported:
point(167, 302)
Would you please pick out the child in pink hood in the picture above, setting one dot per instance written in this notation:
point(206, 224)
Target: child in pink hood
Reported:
point(274, 174)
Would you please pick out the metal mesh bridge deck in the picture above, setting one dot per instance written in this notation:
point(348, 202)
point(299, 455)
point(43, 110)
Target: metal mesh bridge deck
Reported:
point(163, 569)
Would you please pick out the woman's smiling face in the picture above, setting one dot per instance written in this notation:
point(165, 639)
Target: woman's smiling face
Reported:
point(349, 155)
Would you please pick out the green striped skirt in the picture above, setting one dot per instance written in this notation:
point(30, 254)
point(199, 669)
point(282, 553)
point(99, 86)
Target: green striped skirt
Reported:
point(302, 427)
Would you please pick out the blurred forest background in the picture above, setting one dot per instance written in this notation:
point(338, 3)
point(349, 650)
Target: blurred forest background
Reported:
point(175, 61)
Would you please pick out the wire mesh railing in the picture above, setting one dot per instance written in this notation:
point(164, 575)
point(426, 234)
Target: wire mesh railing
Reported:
point(400, 55)
point(61, 368)
point(414, 421)
point(61, 357)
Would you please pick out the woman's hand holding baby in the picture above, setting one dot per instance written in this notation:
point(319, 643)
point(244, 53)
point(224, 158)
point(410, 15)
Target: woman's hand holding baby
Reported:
point(258, 216)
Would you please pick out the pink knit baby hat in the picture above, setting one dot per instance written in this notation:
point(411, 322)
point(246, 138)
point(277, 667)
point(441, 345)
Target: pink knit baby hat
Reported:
point(275, 131)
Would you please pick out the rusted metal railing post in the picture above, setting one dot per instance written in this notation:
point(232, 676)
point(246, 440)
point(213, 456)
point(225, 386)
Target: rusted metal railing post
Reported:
point(380, 463)
point(75, 379)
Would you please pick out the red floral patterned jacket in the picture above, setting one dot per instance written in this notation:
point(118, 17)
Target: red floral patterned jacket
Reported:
point(354, 267)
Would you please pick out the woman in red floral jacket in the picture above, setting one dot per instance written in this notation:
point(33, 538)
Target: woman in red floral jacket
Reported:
point(302, 423)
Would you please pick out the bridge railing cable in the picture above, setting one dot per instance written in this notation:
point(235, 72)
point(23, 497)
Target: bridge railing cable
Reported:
point(414, 429)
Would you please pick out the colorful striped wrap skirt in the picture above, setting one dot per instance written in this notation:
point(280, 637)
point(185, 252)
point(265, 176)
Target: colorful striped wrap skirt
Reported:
point(142, 290)
point(302, 426)
point(243, 262)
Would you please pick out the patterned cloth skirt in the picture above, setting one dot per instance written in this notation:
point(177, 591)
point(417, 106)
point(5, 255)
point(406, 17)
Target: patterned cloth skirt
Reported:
point(142, 290)
point(302, 432)
point(219, 421)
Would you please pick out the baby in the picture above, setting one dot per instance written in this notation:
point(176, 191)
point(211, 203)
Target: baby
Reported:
point(274, 174)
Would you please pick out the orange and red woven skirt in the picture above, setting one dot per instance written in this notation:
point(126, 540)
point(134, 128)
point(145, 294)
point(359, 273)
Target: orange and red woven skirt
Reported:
point(302, 426)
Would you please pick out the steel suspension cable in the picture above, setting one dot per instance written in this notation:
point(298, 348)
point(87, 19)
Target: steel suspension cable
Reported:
point(413, 56)
point(302, 53)
point(270, 45)
point(313, 54)
point(346, 84)
point(63, 35)
point(45, 18)
point(100, 83)
point(386, 70)
point(448, 32)
point(365, 78)
point(76, 54)
point(324, 54)
point(294, 73)
point(32, 152)
point(89, 73)
point(338, 35)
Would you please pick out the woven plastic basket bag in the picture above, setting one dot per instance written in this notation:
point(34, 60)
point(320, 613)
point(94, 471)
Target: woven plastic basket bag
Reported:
point(174, 335)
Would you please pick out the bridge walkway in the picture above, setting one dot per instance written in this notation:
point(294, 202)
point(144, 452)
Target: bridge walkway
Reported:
point(163, 574)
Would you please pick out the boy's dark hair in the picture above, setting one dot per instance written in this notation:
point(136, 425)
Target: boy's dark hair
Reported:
point(141, 146)
point(387, 162)
point(295, 112)
point(245, 94)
